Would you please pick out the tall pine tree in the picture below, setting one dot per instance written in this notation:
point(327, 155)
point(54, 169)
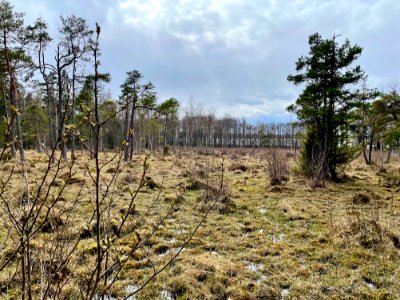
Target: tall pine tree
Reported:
point(327, 102)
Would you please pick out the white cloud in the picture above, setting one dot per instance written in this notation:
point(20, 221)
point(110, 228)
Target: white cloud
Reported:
point(232, 55)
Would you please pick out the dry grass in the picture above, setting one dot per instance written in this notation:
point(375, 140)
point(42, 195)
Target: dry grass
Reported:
point(289, 243)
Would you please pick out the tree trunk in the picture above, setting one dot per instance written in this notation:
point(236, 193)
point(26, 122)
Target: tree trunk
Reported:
point(388, 156)
point(50, 105)
point(11, 136)
point(371, 142)
point(61, 115)
point(73, 107)
point(126, 133)
point(165, 136)
point(364, 147)
point(131, 133)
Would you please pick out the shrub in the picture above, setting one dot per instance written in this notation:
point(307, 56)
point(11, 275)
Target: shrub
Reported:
point(277, 167)
point(166, 150)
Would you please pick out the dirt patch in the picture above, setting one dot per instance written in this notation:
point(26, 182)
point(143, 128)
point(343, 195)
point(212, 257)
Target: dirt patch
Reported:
point(236, 167)
point(364, 197)
point(150, 183)
point(279, 189)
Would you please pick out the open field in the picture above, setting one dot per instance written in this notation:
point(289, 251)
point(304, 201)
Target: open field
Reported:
point(258, 242)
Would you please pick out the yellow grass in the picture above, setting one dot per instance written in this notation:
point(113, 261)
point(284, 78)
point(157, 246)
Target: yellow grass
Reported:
point(292, 243)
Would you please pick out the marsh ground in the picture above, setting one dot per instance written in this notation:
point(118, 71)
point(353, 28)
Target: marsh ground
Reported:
point(287, 242)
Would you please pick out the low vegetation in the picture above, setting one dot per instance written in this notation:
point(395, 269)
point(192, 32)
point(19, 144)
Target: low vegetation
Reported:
point(292, 241)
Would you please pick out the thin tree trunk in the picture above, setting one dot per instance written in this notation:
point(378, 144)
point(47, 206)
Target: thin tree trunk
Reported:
point(61, 115)
point(126, 133)
point(165, 136)
point(131, 133)
point(23, 266)
point(11, 136)
point(28, 267)
point(19, 138)
point(364, 147)
point(388, 156)
point(371, 141)
point(73, 107)
point(97, 178)
point(49, 115)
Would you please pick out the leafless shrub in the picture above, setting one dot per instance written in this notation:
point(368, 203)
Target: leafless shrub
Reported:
point(216, 191)
point(277, 167)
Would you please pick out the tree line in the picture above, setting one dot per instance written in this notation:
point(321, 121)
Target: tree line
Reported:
point(335, 111)
point(197, 129)
point(61, 99)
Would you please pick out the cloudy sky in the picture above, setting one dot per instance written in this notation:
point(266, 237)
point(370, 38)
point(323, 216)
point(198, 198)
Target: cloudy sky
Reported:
point(232, 56)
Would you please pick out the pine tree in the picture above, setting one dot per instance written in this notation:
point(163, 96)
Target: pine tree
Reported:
point(388, 107)
point(327, 102)
point(134, 95)
point(168, 109)
point(11, 27)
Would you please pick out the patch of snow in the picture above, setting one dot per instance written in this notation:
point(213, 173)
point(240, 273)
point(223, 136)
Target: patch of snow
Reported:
point(371, 285)
point(254, 267)
point(105, 297)
point(130, 289)
point(262, 278)
point(163, 254)
point(278, 238)
point(182, 231)
point(262, 211)
point(166, 295)
point(175, 250)
point(284, 293)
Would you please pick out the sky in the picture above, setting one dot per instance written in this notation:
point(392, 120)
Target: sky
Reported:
point(231, 57)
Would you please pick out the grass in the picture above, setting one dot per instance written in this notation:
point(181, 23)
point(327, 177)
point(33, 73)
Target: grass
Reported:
point(291, 242)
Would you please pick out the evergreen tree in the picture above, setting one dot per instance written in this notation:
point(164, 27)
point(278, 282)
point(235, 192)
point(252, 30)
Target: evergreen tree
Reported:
point(134, 95)
point(168, 109)
point(13, 54)
point(111, 133)
point(85, 102)
point(367, 121)
point(389, 108)
point(327, 102)
point(76, 39)
point(34, 124)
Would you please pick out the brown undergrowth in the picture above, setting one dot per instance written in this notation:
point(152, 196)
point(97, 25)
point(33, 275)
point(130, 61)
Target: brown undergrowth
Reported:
point(285, 242)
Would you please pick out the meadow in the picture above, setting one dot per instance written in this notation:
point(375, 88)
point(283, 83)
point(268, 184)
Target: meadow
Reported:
point(256, 241)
